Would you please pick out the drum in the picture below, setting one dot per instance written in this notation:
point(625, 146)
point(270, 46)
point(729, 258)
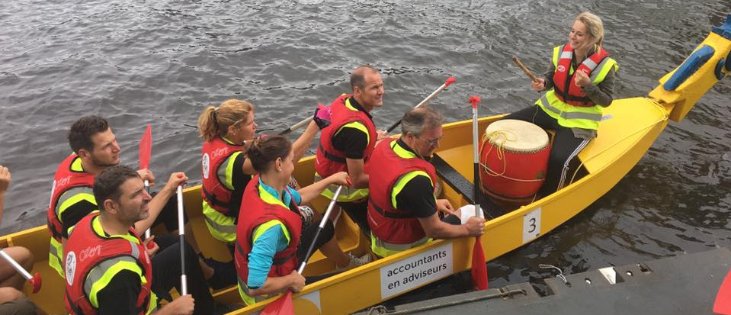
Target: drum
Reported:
point(513, 159)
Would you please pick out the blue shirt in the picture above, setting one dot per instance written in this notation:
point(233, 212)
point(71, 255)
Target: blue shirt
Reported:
point(269, 242)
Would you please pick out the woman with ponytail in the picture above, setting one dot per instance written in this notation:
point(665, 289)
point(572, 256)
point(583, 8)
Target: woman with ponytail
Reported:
point(272, 234)
point(227, 131)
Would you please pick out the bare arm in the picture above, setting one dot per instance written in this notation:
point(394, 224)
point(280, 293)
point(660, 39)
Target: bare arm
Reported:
point(158, 202)
point(300, 146)
point(356, 170)
point(312, 191)
point(5, 179)
point(272, 285)
point(435, 228)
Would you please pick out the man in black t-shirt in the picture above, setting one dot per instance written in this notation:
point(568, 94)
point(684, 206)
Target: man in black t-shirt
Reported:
point(346, 144)
point(402, 207)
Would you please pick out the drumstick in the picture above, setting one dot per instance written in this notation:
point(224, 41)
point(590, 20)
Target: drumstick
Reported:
point(525, 69)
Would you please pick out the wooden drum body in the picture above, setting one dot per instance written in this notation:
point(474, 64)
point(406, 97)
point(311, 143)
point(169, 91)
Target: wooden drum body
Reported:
point(513, 159)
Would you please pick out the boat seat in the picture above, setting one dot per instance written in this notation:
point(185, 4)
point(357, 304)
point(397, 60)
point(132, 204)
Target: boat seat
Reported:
point(461, 185)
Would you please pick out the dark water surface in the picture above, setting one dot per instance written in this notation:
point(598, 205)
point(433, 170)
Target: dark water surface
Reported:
point(161, 62)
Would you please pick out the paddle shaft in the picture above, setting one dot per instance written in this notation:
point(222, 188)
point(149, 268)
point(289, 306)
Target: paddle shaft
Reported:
point(449, 81)
point(147, 188)
point(475, 160)
point(16, 265)
point(525, 69)
point(181, 233)
point(479, 268)
point(320, 228)
point(296, 126)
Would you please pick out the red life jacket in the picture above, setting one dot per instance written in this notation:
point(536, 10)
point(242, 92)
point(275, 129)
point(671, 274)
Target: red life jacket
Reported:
point(329, 160)
point(566, 90)
point(214, 153)
point(397, 226)
point(63, 180)
point(85, 250)
point(256, 213)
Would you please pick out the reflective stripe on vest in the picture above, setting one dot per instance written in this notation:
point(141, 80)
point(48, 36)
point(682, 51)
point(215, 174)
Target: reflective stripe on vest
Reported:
point(567, 115)
point(379, 246)
point(100, 275)
point(55, 259)
point(385, 249)
point(221, 226)
point(67, 199)
point(265, 211)
point(347, 194)
point(246, 297)
point(74, 196)
point(243, 288)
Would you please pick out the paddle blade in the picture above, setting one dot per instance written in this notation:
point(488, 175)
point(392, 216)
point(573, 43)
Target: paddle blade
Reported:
point(479, 267)
point(281, 306)
point(35, 281)
point(146, 148)
point(723, 297)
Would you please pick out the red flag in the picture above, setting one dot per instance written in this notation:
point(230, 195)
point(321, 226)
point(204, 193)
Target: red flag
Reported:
point(723, 297)
point(146, 148)
point(479, 266)
point(281, 306)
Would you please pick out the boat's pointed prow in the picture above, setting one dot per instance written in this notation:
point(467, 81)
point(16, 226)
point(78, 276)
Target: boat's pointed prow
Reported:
point(680, 89)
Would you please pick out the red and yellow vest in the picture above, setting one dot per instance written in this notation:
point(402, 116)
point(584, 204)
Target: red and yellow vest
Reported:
point(329, 160)
point(69, 175)
point(216, 194)
point(390, 169)
point(262, 207)
point(567, 102)
point(93, 259)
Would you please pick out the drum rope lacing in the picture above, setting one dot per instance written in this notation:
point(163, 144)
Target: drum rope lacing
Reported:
point(499, 138)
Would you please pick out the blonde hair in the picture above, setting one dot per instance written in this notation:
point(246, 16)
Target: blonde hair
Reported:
point(594, 25)
point(214, 121)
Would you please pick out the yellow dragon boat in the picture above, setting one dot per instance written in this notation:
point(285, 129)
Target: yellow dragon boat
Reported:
point(632, 127)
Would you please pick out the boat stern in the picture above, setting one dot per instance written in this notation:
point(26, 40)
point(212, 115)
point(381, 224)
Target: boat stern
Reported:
point(680, 89)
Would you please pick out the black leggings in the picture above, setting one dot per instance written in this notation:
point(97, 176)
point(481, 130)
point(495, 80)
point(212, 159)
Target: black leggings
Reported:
point(566, 147)
point(166, 273)
point(358, 211)
point(308, 236)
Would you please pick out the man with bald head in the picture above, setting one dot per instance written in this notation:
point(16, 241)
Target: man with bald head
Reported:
point(348, 141)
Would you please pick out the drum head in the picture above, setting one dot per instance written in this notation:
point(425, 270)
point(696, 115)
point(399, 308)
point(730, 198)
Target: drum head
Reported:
point(516, 135)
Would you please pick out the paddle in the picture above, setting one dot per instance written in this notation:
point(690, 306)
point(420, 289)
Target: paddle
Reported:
point(479, 267)
point(34, 280)
point(296, 126)
point(181, 233)
point(525, 69)
point(145, 153)
point(447, 83)
point(722, 305)
point(284, 304)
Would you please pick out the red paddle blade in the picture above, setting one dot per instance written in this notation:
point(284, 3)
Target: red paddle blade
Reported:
point(146, 148)
point(723, 297)
point(36, 282)
point(281, 306)
point(479, 268)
